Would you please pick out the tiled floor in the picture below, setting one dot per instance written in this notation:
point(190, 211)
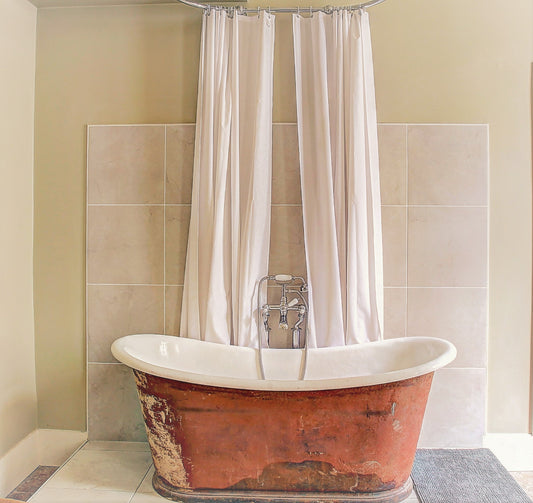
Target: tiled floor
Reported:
point(121, 472)
point(27, 488)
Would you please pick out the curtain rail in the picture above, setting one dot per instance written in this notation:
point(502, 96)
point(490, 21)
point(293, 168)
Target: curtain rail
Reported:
point(297, 10)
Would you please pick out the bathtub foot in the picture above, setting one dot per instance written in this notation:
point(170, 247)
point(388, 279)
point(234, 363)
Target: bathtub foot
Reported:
point(221, 496)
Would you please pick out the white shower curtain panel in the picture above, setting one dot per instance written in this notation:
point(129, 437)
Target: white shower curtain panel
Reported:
point(337, 132)
point(229, 234)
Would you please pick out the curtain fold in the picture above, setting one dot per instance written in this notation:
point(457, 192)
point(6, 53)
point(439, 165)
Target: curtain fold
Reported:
point(229, 233)
point(339, 169)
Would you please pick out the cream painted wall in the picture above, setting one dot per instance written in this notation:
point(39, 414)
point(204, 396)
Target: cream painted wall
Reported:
point(18, 400)
point(436, 62)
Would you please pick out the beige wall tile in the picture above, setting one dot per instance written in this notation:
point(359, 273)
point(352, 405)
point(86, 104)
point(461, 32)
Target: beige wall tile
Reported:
point(447, 247)
point(126, 164)
point(392, 163)
point(125, 244)
point(177, 233)
point(286, 187)
point(395, 312)
point(113, 405)
point(448, 164)
point(114, 311)
point(173, 298)
point(455, 314)
point(394, 223)
point(287, 251)
point(455, 414)
point(180, 159)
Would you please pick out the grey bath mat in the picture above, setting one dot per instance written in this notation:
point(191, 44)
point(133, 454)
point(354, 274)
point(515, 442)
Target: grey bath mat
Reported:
point(464, 476)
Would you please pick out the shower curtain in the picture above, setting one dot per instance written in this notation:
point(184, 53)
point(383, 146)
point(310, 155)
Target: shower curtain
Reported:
point(229, 234)
point(337, 134)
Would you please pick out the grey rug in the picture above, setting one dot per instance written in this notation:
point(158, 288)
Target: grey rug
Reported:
point(464, 476)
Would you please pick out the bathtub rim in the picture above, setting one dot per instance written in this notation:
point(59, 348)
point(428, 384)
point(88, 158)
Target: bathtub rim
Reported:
point(446, 356)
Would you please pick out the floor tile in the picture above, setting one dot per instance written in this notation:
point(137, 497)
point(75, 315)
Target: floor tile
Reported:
point(105, 445)
point(148, 498)
point(29, 486)
point(146, 485)
point(103, 470)
point(525, 479)
point(57, 495)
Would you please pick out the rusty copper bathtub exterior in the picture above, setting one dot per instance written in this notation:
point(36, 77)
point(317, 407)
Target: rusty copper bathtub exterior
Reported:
point(223, 444)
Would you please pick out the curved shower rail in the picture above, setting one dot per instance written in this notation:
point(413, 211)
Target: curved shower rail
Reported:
point(296, 10)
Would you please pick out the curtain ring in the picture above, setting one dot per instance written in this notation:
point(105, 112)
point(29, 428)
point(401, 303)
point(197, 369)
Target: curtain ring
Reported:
point(310, 11)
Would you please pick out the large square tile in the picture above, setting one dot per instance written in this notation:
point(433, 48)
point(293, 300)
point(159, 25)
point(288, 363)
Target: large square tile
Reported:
point(173, 298)
point(448, 164)
point(103, 470)
point(458, 315)
point(394, 224)
point(393, 163)
point(126, 164)
point(395, 312)
point(125, 244)
point(455, 415)
point(114, 311)
point(111, 445)
point(176, 238)
point(180, 160)
point(113, 405)
point(146, 484)
point(287, 250)
point(447, 246)
point(286, 187)
point(148, 498)
point(66, 495)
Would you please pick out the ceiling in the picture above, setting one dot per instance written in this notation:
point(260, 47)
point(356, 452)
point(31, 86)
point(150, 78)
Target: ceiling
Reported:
point(84, 3)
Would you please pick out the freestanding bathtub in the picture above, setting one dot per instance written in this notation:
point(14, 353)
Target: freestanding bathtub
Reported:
point(220, 433)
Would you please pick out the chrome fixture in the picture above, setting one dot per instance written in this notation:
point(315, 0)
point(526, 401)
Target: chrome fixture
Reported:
point(290, 285)
point(296, 10)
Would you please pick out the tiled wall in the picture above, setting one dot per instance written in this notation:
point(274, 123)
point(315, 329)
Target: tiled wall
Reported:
point(434, 196)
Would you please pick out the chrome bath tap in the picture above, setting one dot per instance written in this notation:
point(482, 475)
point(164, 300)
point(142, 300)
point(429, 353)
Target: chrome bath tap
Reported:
point(298, 304)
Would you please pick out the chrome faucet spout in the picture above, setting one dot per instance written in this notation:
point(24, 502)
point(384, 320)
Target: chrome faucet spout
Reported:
point(293, 288)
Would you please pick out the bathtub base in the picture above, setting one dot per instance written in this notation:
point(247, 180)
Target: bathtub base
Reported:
point(212, 496)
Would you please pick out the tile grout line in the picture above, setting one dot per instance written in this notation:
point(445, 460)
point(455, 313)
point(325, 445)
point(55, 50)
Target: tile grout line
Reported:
point(438, 287)
point(86, 321)
point(406, 322)
point(165, 236)
point(435, 206)
point(134, 284)
point(60, 467)
point(140, 483)
point(138, 204)
point(292, 205)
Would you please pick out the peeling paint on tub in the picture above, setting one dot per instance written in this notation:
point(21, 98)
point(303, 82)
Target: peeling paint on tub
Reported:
point(160, 423)
point(312, 476)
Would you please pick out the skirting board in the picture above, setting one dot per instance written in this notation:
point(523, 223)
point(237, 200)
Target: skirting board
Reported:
point(514, 450)
point(40, 447)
